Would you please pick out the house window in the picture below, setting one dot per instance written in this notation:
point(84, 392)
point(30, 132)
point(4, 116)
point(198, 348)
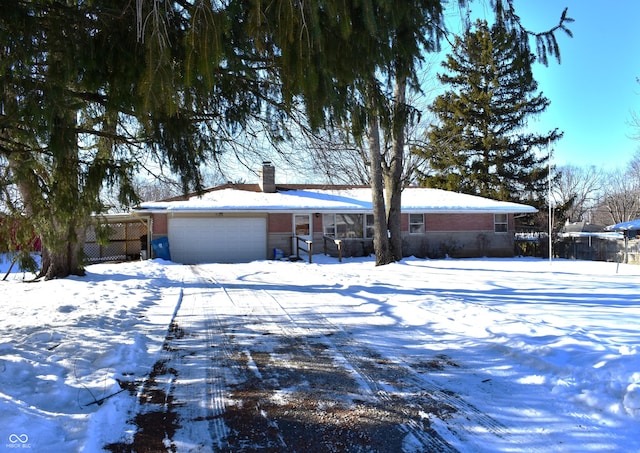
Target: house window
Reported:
point(329, 225)
point(500, 223)
point(416, 223)
point(302, 225)
point(369, 225)
point(343, 226)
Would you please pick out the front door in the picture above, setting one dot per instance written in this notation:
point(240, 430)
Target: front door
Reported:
point(302, 225)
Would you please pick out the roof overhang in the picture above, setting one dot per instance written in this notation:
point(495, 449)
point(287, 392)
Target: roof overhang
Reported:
point(355, 200)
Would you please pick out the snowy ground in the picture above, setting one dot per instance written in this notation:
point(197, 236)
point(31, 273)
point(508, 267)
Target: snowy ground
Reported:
point(482, 355)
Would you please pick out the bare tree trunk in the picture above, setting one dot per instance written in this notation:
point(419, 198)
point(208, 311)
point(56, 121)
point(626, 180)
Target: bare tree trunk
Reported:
point(380, 231)
point(393, 173)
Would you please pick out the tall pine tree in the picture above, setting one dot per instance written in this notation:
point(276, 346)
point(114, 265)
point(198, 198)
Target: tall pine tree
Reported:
point(480, 145)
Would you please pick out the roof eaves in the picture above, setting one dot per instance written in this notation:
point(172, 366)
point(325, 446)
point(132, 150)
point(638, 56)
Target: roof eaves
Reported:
point(330, 209)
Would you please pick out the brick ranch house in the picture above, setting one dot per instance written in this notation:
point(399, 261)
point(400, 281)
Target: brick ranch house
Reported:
point(245, 222)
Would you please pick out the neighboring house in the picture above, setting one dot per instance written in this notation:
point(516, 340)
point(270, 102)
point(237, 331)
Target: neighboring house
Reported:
point(245, 222)
point(8, 241)
point(582, 228)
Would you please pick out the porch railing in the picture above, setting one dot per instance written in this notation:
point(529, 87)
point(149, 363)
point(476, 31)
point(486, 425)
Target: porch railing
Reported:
point(304, 244)
point(338, 243)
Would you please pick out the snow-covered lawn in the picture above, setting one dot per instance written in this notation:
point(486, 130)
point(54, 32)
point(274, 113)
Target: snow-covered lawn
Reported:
point(550, 352)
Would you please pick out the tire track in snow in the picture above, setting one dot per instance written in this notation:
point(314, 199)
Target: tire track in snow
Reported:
point(389, 377)
point(181, 400)
point(236, 366)
point(250, 374)
point(362, 360)
point(356, 358)
point(271, 314)
point(442, 414)
point(201, 361)
point(454, 419)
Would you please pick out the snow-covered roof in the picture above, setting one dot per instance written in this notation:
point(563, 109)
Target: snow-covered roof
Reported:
point(414, 199)
point(625, 226)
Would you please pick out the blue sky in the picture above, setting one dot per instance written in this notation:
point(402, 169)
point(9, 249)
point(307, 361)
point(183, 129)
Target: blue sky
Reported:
point(593, 91)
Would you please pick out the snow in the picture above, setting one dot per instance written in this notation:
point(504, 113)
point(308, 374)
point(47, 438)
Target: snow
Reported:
point(414, 199)
point(625, 226)
point(550, 351)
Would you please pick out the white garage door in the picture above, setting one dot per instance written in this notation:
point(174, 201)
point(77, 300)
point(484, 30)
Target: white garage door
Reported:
point(217, 240)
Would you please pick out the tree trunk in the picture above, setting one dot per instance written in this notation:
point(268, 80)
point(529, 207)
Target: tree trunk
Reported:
point(393, 173)
point(380, 230)
point(63, 239)
point(393, 194)
point(66, 258)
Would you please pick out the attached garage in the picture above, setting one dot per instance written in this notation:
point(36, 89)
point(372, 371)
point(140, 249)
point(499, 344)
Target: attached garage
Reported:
point(220, 239)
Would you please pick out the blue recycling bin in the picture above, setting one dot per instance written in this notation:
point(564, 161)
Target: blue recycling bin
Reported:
point(160, 248)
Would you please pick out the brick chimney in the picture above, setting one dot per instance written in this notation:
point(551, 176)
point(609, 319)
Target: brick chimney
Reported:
point(267, 178)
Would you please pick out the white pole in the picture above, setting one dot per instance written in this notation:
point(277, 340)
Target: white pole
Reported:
point(549, 201)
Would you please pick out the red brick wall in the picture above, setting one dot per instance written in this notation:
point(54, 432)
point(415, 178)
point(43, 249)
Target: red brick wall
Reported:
point(404, 222)
point(160, 225)
point(280, 223)
point(283, 223)
point(317, 223)
point(459, 222)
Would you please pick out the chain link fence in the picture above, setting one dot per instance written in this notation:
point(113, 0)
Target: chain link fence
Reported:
point(126, 240)
point(609, 247)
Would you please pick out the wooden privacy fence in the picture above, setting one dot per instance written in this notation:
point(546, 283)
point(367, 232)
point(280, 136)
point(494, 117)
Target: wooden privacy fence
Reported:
point(126, 240)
